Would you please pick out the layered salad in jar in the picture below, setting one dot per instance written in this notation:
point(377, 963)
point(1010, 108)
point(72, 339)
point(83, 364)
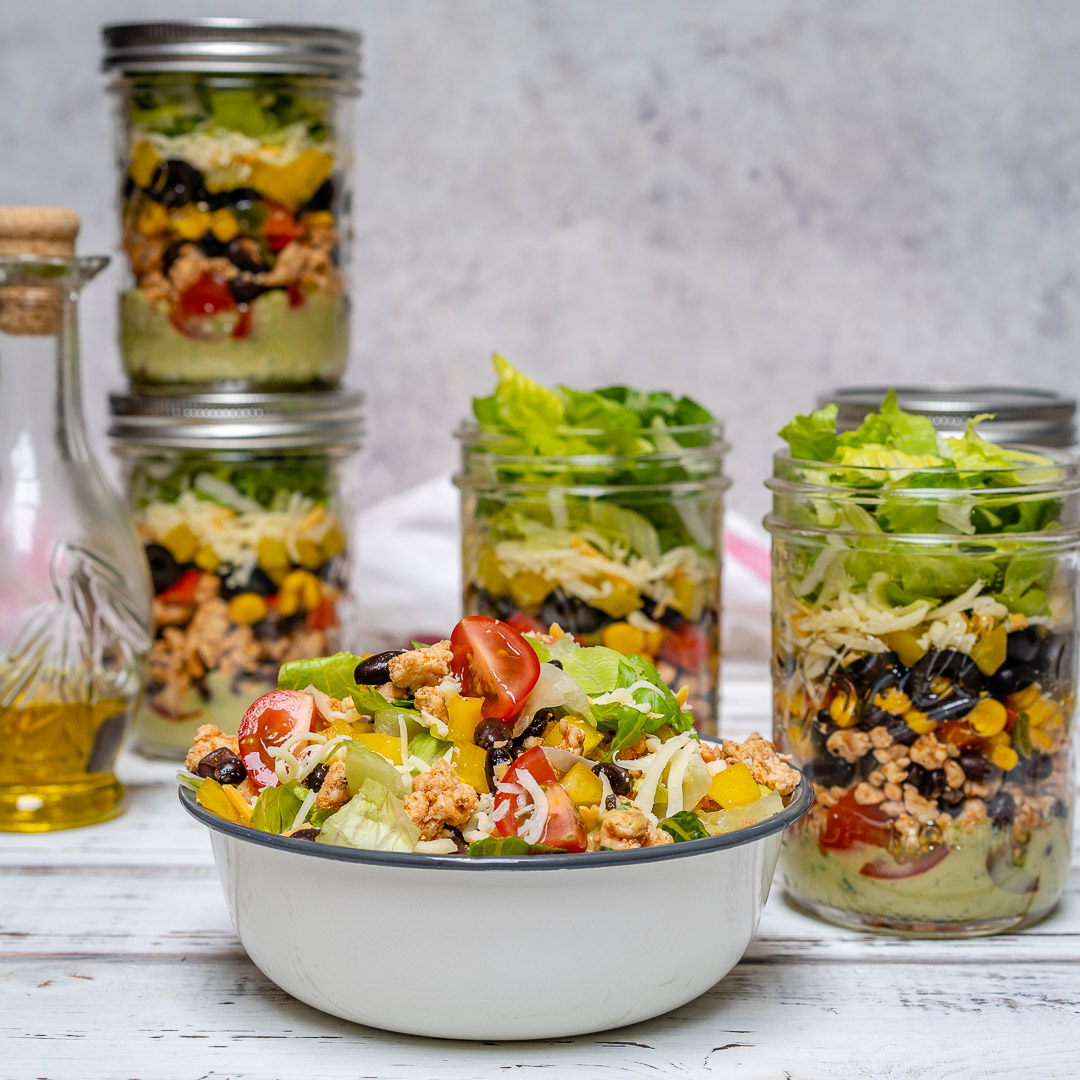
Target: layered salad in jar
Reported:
point(487, 743)
point(232, 211)
point(250, 567)
point(598, 510)
point(924, 672)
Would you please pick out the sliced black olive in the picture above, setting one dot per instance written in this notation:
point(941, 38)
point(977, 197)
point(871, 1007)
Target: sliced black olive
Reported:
point(491, 733)
point(874, 668)
point(260, 582)
point(176, 183)
point(622, 783)
point(224, 200)
point(669, 617)
point(375, 670)
point(1023, 644)
point(1012, 676)
point(223, 765)
point(1056, 660)
point(960, 672)
point(164, 569)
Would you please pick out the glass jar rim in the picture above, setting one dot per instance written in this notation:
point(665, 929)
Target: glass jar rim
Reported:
point(50, 271)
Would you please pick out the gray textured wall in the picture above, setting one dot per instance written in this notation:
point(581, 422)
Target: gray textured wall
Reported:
point(747, 201)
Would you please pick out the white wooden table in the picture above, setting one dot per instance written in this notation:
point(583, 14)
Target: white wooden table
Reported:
point(117, 960)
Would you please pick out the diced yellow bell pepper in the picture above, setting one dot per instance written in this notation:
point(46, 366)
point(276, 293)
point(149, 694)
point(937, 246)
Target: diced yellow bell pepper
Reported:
point(181, 543)
point(387, 745)
point(332, 542)
point(529, 589)
point(352, 728)
point(272, 554)
point(144, 160)
point(239, 802)
point(247, 608)
point(618, 603)
point(489, 574)
point(906, 645)
point(989, 651)
point(153, 219)
point(206, 559)
point(624, 638)
point(468, 761)
point(224, 226)
point(463, 715)
point(1022, 700)
point(190, 223)
point(734, 786)
point(300, 589)
point(211, 796)
point(583, 785)
point(685, 594)
point(310, 554)
point(590, 736)
point(294, 183)
point(318, 219)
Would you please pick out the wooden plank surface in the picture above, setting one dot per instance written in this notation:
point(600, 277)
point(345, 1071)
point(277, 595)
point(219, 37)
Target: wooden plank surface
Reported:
point(117, 960)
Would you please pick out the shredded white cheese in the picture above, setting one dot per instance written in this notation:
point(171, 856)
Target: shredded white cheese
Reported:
point(646, 792)
point(305, 809)
point(441, 846)
point(534, 827)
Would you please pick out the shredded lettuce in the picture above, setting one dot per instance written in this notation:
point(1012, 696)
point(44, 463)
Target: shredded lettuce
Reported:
point(685, 825)
point(428, 747)
point(363, 765)
point(374, 819)
point(276, 807)
point(510, 845)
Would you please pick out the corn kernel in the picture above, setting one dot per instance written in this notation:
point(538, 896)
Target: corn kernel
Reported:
point(1004, 757)
point(319, 219)
point(1044, 713)
point(224, 226)
point(556, 631)
point(683, 694)
point(1040, 739)
point(1022, 700)
point(893, 701)
point(624, 638)
point(309, 554)
point(153, 219)
point(919, 722)
point(842, 710)
point(247, 608)
point(332, 542)
point(272, 554)
point(590, 815)
point(206, 559)
point(988, 717)
point(191, 224)
point(144, 161)
point(311, 591)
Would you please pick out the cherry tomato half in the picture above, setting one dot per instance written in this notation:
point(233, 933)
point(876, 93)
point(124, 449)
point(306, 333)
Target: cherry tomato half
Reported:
point(849, 823)
point(535, 762)
point(269, 721)
point(209, 295)
point(495, 662)
point(183, 590)
point(564, 828)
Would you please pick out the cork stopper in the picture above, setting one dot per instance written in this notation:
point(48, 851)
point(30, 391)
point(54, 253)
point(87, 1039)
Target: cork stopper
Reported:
point(34, 230)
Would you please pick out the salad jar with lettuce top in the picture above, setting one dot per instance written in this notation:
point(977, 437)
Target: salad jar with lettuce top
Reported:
point(243, 506)
point(234, 153)
point(599, 511)
point(924, 672)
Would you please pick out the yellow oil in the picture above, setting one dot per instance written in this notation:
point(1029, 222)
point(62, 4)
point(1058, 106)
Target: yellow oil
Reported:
point(56, 763)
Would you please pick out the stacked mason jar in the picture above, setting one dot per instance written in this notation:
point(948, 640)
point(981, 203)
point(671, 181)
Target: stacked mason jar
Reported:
point(234, 155)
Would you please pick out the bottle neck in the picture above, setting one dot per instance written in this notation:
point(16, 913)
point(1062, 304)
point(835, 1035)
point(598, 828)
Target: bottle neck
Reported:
point(40, 387)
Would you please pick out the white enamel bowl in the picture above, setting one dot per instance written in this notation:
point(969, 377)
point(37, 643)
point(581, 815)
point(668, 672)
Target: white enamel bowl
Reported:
point(496, 948)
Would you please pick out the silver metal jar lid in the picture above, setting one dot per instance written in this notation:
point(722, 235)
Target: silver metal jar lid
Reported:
point(1020, 414)
point(245, 46)
point(308, 421)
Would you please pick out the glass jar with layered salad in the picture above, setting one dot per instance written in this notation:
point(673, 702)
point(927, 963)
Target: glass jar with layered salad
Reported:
point(242, 504)
point(925, 668)
point(599, 511)
point(234, 148)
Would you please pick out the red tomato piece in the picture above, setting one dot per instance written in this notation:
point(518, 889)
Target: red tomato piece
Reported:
point(959, 733)
point(890, 868)
point(323, 615)
point(495, 662)
point(207, 296)
point(564, 828)
point(525, 624)
point(243, 324)
point(280, 227)
point(269, 721)
point(536, 763)
point(182, 591)
point(686, 648)
point(849, 823)
point(295, 294)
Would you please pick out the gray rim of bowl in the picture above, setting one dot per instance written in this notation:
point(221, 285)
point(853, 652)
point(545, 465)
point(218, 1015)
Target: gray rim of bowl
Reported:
point(801, 800)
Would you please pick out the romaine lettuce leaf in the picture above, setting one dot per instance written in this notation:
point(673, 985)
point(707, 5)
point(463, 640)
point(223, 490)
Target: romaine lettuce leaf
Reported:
point(427, 747)
point(510, 845)
point(812, 437)
point(374, 819)
point(894, 429)
point(685, 825)
point(333, 675)
point(362, 765)
point(276, 807)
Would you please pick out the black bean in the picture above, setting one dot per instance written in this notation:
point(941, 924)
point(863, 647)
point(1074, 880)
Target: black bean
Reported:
point(622, 783)
point(538, 724)
point(497, 759)
point(1059, 809)
point(314, 779)
point(223, 200)
point(898, 728)
point(572, 614)
point(929, 783)
point(953, 808)
point(176, 183)
point(830, 771)
point(309, 832)
point(975, 766)
point(1023, 645)
point(556, 663)
point(867, 764)
point(872, 716)
point(261, 582)
point(375, 670)
point(952, 797)
point(164, 569)
point(1001, 809)
point(1039, 766)
point(244, 290)
point(223, 765)
point(211, 246)
point(491, 733)
point(171, 254)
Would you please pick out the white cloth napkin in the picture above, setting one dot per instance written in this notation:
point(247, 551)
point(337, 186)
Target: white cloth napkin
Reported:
point(408, 572)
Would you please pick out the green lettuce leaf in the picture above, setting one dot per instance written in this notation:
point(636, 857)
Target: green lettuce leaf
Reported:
point(369, 702)
point(812, 437)
point(895, 429)
point(427, 747)
point(276, 807)
point(374, 819)
point(362, 765)
point(683, 826)
point(192, 783)
point(333, 675)
point(510, 845)
point(523, 408)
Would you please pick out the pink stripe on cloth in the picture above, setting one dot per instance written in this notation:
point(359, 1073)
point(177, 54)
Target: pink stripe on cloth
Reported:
point(756, 559)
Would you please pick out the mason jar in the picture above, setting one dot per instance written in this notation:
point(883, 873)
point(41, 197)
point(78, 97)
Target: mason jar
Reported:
point(925, 681)
point(621, 550)
point(243, 504)
point(234, 150)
